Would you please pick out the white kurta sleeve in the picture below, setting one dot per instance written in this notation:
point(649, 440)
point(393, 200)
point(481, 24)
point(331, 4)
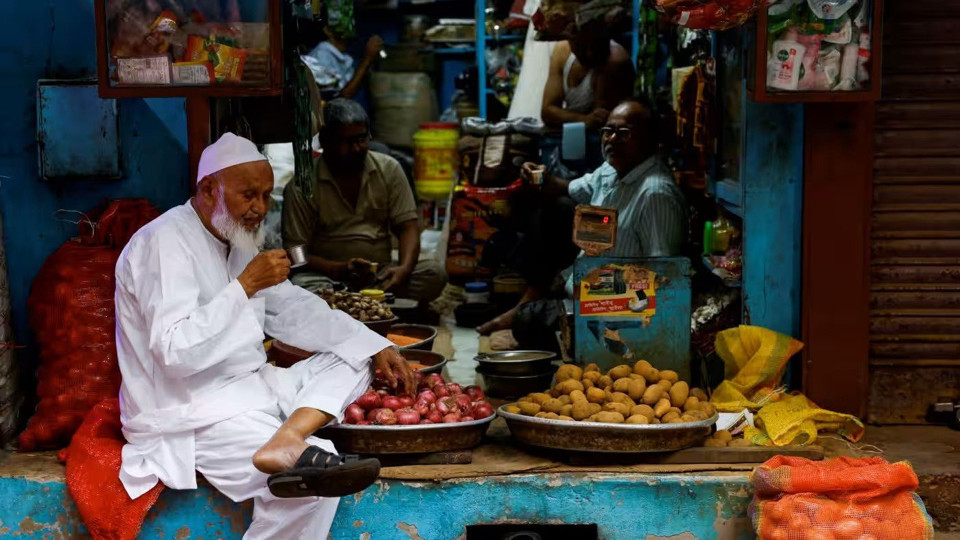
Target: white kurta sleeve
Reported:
point(300, 318)
point(186, 336)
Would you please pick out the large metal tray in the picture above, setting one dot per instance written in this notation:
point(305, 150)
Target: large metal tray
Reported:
point(612, 438)
point(415, 439)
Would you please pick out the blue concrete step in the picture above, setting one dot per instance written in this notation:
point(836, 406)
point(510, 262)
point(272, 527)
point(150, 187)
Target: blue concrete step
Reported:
point(34, 503)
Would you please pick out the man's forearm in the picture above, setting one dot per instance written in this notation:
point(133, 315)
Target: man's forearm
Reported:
point(409, 245)
point(333, 269)
point(557, 116)
point(352, 87)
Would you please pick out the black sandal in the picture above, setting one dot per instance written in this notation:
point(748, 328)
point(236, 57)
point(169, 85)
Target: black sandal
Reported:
point(319, 473)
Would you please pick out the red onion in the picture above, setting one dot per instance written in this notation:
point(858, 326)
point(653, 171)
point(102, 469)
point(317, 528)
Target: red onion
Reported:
point(475, 393)
point(441, 391)
point(482, 409)
point(464, 405)
point(407, 401)
point(425, 421)
point(435, 416)
point(353, 414)
point(383, 417)
point(454, 389)
point(422, 407)
point(369, 401)
point(451, 418)
point(434, 379)
point(407, 416)
point(466, 419)
point(393, 403)
point(427, 395)
point(447, 405)
point(363, 423)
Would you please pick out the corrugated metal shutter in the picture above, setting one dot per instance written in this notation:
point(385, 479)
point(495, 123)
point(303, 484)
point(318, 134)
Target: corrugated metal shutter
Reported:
point(915, 265)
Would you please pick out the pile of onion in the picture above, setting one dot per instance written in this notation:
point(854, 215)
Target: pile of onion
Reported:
point(436, 402)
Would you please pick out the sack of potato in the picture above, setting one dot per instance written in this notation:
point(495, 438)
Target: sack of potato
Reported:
point(640, 394)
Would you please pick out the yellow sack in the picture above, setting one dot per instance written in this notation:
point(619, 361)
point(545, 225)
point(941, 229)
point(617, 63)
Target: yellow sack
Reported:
point(755, 360)
point(796, 420)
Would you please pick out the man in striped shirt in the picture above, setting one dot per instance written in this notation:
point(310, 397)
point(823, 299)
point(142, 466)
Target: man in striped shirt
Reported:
point(652, 212)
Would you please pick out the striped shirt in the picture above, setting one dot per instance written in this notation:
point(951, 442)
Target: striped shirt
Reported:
point(652, 211)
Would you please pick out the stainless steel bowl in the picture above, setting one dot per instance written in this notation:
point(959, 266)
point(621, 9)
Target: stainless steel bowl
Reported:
point(514, 386)
point(515, 362)
point(413, 439)
point(426, 335)
point(433, 361)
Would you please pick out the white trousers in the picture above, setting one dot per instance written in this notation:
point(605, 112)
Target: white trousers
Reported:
point(224, 451)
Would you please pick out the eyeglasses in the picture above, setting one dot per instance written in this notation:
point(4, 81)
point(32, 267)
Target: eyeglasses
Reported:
point(357, 139)
point(622, 133)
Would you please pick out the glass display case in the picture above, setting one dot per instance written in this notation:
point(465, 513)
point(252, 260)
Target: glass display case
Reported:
point(817, 50)
point(163, 48)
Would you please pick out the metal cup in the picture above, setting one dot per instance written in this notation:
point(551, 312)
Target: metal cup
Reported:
point(297, 255)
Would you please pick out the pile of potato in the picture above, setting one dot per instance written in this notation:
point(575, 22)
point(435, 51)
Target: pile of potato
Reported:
point(359, 307)
point(723, 438)
point(640, 394)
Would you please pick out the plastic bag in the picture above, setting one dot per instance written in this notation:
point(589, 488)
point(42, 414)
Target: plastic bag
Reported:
point(843, 498)
point(755, 359)
point(72, 313)
point(708, 14)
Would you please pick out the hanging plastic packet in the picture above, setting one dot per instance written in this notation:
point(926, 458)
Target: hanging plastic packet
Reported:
point(227, 61)
point(841, 35)
point(830, 9)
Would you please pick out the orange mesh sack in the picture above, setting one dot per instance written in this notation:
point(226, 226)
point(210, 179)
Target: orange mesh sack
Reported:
point(71, 312)
point(838, 499)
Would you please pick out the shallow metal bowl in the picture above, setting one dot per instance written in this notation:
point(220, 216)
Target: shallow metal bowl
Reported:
point(515, 362)
point(433, 361)
point(613, 438)
point(426, 335)
point(415, 439)
point(514, 386)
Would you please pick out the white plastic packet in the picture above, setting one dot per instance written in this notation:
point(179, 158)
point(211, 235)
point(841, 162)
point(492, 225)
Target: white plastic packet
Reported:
point(830, 9)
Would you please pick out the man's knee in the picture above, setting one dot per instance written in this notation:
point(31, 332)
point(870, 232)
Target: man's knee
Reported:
point(427, 280)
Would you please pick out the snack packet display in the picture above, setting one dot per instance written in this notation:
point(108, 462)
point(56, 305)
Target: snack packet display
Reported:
point(227, 62)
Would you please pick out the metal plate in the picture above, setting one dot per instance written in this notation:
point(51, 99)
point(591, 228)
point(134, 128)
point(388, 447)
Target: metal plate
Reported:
point(597, 437)
point(415, 439)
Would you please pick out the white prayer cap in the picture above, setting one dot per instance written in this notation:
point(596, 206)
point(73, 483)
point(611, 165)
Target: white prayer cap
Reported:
point(228, 151)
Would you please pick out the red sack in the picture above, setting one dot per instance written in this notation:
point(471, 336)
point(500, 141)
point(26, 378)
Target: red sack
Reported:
point(475, 215)
point(71, 312)
point(708, 14)
point(93, 477)
point(838, 499)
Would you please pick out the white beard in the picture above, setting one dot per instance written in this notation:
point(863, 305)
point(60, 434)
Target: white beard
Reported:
point(233, 231)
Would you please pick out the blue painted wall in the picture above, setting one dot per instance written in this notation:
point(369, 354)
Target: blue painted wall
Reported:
point(56, 40)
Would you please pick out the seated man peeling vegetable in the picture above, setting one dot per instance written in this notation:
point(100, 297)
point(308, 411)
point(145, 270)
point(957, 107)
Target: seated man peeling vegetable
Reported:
point(194, 300)
point(360, 199)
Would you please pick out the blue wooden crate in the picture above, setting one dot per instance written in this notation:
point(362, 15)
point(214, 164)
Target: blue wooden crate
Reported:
point(633, 309)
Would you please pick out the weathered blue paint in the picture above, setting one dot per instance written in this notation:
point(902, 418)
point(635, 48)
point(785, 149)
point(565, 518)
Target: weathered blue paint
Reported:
point(78, 132)
point(625, 507)
point(665, 341)
point(55, 40)
point(772, 177)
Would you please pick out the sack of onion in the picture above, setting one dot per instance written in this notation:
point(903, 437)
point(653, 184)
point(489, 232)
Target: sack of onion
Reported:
point(436, 402)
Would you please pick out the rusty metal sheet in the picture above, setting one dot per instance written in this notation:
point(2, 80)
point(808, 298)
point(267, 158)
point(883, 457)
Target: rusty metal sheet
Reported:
point(901, 395)
point(916, 247)
point(915, 349)
point(77, 132)
point(938, 29)
point(920, 170)
point(915, 300)
point(915, 274)
point(916, 142)
point(887, 326)
point(918, 114)
point(948, 220)
point(610, 438)
point(922, 58)
point(373, 440)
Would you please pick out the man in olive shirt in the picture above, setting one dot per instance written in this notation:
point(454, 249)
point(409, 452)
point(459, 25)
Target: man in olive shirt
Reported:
point(359, 200)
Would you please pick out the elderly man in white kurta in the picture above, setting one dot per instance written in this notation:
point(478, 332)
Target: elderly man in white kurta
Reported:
point(194, 301)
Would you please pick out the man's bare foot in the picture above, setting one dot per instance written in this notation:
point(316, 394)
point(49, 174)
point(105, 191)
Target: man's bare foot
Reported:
point(501, 322)
point(281, 451)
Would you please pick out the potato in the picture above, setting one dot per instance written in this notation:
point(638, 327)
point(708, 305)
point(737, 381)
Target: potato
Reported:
point(652, 376)
point(591, 418)
point(687, 418)
point(547, 415)
point(652, 395)
point(708, 409)
point(617, 407)
point(568, 371)
point(654, 420)
point(723, 435)
point(566, 410)
point(638, 377)
point(665, 384)
point(604, 382)
point(661, 407)
point(608, 417)
point(591, 367)
point(642, 367)
point(620, 397)
point(591, 376)
point(679, 393)
point(620, 372)
point(637, 419)
point(596, 395)
point(568, 386)
point(587, 383)
point(670, 417)
point(622, 385)
point(528, 408)
point(697, 415)
point(583, 409)
point(576, 396)
point(739, 442)
point(552, 406)
point(715, 443)
point(699, 394)
point(565, 399)
point(525, 399)
point(563, 417)
point(540, 398)
point(674, 410)
point(691, 404)
point(669, 375)
point(645, 410)
point(513, 409)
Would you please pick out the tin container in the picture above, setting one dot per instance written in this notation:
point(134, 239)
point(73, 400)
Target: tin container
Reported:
point(297, 255)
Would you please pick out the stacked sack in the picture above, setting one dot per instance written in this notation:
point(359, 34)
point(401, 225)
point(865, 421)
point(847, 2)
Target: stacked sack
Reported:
point(838, 499)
